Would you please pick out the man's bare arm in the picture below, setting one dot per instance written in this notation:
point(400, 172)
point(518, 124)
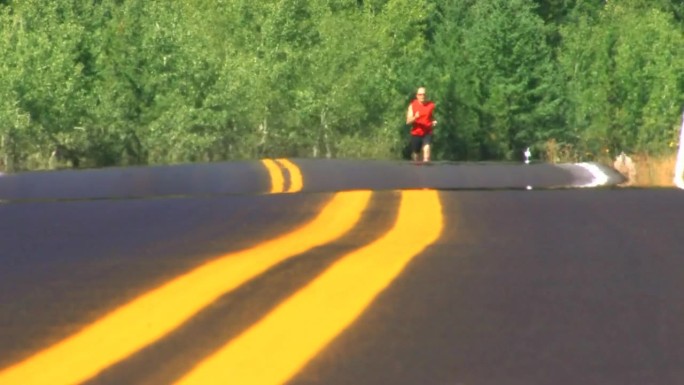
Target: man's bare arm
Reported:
point(410, 118)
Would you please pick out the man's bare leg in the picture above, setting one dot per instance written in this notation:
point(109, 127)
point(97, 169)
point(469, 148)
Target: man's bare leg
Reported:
point(426, 153)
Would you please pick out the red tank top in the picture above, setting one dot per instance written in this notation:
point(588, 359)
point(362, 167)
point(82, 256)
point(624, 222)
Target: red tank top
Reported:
point(423, 125)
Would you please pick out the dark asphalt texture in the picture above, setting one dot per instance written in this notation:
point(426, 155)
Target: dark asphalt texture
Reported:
point(548, 286)
point(541, 287)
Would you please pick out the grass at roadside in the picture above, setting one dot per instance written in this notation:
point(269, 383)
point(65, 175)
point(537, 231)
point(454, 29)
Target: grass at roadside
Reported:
point(648, 170)
point(655, 171)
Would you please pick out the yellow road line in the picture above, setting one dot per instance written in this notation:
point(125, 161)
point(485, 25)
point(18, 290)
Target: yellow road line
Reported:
point(151, 316)
point(296, 180)
point(276, 176)
point(279, 345)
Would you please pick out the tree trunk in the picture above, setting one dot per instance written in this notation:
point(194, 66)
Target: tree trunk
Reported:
point(323, 138)
point(7, 149)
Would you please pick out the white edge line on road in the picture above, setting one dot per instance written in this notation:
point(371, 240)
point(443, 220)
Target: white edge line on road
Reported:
point(679, 182)
point(679, 166)
point(599, 178)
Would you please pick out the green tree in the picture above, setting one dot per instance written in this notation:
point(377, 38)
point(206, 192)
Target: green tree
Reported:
point(357, 70)
point(497, 73)
point(117, 82)
point(624, 76)
point(41, 79)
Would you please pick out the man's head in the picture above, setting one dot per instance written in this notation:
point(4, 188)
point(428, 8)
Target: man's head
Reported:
point(420, 94)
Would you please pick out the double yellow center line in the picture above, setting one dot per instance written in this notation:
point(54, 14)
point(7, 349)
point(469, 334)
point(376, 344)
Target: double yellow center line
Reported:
point(279, 345)
point(275, 170)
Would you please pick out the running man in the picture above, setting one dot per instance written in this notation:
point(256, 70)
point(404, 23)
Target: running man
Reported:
point(419, 114)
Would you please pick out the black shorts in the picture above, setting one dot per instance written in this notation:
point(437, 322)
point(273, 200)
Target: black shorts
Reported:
point(417, 142)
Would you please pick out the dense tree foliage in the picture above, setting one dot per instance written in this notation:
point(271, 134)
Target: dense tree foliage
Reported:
point(124, 82)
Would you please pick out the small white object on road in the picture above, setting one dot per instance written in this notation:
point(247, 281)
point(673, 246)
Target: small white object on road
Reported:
point(527, 154)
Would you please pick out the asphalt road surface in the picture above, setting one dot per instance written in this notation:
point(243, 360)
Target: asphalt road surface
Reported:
point(340, 272)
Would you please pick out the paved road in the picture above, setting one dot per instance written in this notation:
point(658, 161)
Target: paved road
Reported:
point(480, 282)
